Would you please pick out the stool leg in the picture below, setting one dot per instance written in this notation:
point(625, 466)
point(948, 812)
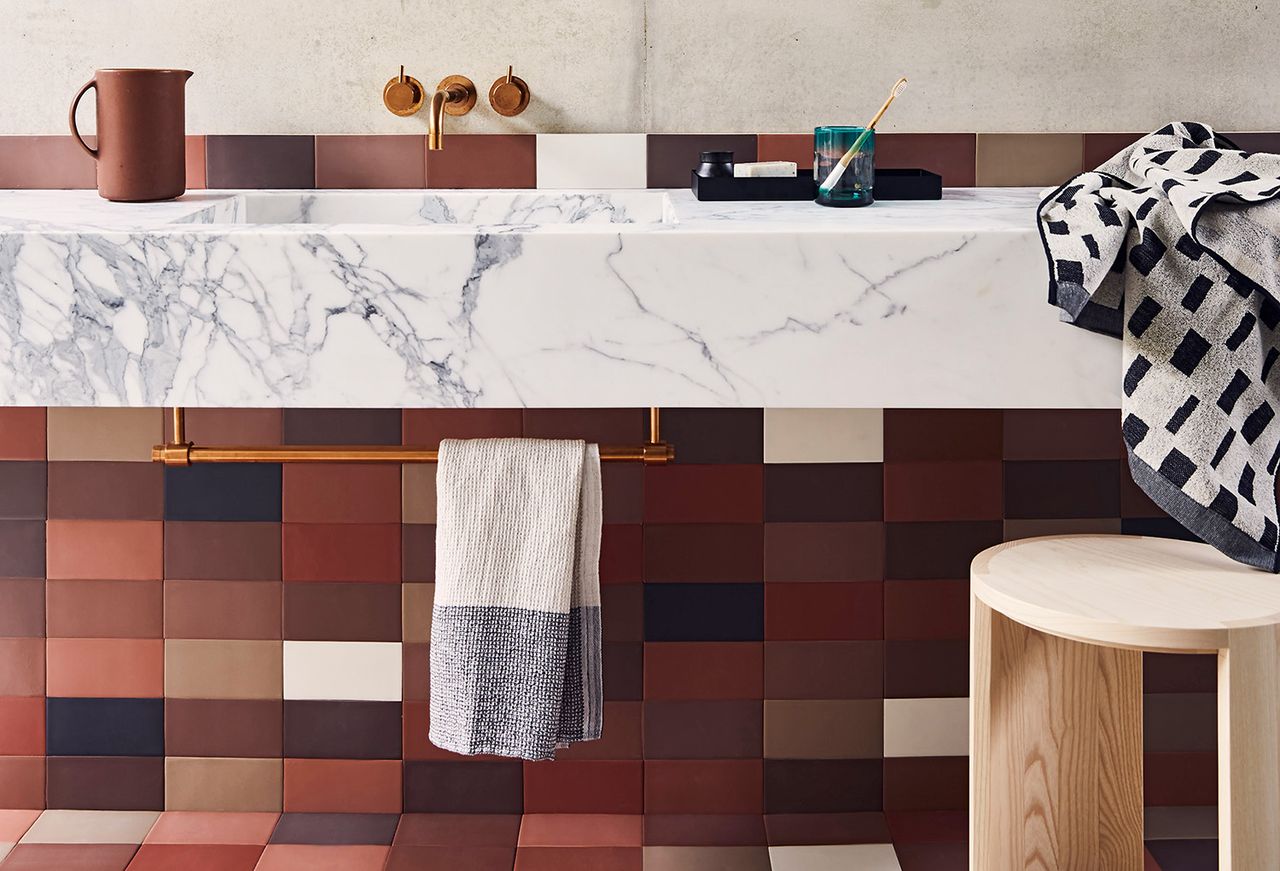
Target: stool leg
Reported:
point(1248, 752)
point(1055, 768)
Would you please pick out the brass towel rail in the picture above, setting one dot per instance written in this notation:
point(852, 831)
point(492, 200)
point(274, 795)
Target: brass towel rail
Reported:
point(181, 452)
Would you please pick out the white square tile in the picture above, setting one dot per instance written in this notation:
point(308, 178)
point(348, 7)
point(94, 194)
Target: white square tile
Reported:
point(926, 727)
point(823, 435)
point(842, 857)
point(592, 160)
point(90, 827)
point(343, 670)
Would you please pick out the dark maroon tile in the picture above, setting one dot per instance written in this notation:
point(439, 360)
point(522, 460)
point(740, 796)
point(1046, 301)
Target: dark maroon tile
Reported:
point(601, 425)
point(823, 669)
point(464, 787)
point(721, 729)
point(1257, 142)
point(622, 553)
point(357, 552)
point(1062, 434)
point(673, 156)
point(22, 490)
point(715, 435)
point(342, 729)
point(926, 610)
point(333, 829)
point(198, 551)
point(926, 669)
point(342, 426)
point(942, 434)
point(926, 783)
point(241, 728)
point(416, 858)
point(260, 161)
point(704, 830)
point(623, 667)
point(1179, 722)
point(824, 551)
point(712, 786)
point(824, 611)
point(70, 857)
point(22, 611)
point(623, 485)
point(699, 552)
point(932, 857)
point(942, 490)
point(1101, 147)
point(1133, 501)
point(938, 549)
point(704, 494)
point(418, 553)
point(703, 670)
point(493, 160)
point(622, 612)
point(823, 492)
point(794, 786)
point(920, 827)
point(953, 156)
point(1179, 673)
point(1062, 489)
point(621, 736)
point(1179, 779)
point(21, 548)
point(602, 786)
point(117, 783)
point(802, 829)
point(458, 830)
point(108, 491)
point(342, 612)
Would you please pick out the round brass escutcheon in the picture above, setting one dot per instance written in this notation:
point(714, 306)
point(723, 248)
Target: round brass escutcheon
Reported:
point(455, 83)
point(403, 95)
point(509, 95)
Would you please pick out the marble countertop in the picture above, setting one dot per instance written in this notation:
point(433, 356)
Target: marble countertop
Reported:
point(534, 298)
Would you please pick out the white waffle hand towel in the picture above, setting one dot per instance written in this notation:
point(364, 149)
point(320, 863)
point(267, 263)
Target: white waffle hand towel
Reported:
point(515, 630)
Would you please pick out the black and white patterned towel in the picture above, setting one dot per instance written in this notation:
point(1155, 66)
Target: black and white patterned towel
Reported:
point(515, 629)
point(1174, 246)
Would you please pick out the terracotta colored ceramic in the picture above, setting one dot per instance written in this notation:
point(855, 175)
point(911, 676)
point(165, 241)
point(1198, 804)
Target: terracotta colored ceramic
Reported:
point(141, 151)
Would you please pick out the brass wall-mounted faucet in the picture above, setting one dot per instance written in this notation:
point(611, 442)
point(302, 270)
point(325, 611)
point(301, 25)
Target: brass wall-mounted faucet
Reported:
point(455, 95)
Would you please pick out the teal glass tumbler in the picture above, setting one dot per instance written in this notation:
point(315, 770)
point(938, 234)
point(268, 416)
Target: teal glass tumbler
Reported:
point(854, 187)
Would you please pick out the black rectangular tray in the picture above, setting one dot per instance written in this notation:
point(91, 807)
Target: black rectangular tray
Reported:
point(891, 184)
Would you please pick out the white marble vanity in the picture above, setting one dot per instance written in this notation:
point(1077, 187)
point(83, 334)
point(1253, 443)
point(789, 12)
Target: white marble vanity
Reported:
point(534, 298)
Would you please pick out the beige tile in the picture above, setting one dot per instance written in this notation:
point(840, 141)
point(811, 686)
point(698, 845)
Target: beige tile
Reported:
point(1028, 159)
point(121, 434)
point(240, 785)
point(418, 493)
point(202, 669)
point(1015, 529)
point(90, 827)
point(822, 729)
point(823, 435)
point(706, 859)
point(843, 857)
point(416, 612)
point(926, 727)
point(343, 670)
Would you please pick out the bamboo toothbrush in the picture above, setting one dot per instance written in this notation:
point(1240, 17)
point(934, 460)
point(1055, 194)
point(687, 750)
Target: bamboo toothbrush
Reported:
point(838, 170)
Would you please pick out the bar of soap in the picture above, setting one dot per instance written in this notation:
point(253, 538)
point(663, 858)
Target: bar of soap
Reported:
point(765, 169)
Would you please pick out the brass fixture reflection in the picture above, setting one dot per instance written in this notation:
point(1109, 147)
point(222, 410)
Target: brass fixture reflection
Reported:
point(403, 95)
point(509, 95)
point(455, 95)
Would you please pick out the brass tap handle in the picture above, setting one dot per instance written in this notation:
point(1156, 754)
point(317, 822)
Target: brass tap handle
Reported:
point(509, 95)
point(403, 95)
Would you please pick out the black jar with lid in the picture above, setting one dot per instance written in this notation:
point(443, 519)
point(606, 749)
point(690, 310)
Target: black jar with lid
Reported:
point(715, 164)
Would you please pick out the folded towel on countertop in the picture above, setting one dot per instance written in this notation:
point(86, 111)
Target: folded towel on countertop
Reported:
point(1174, 246)
point(515, 629)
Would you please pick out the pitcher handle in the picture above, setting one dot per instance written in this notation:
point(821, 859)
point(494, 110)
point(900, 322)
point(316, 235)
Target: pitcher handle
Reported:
point(71, 117)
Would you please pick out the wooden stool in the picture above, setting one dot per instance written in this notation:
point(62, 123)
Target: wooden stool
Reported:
point(1059, 625)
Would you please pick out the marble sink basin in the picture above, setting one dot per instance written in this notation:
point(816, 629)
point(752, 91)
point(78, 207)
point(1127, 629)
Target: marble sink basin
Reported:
point(488, 208)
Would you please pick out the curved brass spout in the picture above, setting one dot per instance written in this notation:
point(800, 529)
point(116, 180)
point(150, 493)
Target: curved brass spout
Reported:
point(454, 95)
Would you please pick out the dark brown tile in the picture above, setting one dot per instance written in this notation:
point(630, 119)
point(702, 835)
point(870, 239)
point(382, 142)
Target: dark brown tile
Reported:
point(703, 670)
point(1257, 142)
point(943, 490)
point(222, 551)
point(942, 434)
point(918, 827)
point(458, 830)
point(579, 859)
point(22, 490)
point(370, 161)
point(1062, 488)
point(1179, 722)
point(825, 611)
point(418, 553)
point(602, 425)
point(623, 485)
point(231, 426)
point(926, 669)
point(704, 494)
point(1051, 434)
point(427, 426)
point(623, 667)
point(703, 552)
point(21, 548)
point(243, 728)
point(414, 858)
point(1179, 779)
point(703, 786)
point(117, 783)
point(952, 155)
point(104, 609)
point(824, 551)
point(335, 829)
point(803, 829)
point(704, 830)
point(70, 857)
point(342, 730)
point(715, 435)
point(342, 612)
point(673, 156)
point(821, 785)
point(622, 553)
point(823, 669)
point(342, 426)
point(1179, 673)
point(926, 783)
point(222, 609)
point(260, 161)
point(702, 729)
point(1101, 147)
point(341, 493)
point(622, 612)
point(22, 608)
point(621, 736)
point(823, 492)
point(484, 161)
point(365, 552)
point(584, 786)
point(46, 162)
point(926, 610)
point(464, 787)
point(937, 549)
point(108, 491)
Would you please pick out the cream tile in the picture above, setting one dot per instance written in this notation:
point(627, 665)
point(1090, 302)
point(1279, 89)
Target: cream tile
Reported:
point(342, 670)
point(120, 434)
point(822, 729)
point(14, 824)
point(926, 727)
point(6, 847)
point(599, 160)
point(204, 669)
point(90, 827)
point(845, 857)
point(823, 435)
point(418, 493)
point(1021, 159)
point(415, 612)
point(223, 784)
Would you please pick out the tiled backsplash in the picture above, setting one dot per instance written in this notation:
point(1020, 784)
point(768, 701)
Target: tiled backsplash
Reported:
point(617, 160)
point(785, 612)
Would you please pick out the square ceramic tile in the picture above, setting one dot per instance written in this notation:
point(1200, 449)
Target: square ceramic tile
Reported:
point(90, 827)
point(926, 727)
point(823, 435)
point(594, 160)
point(355, 670)
point(864, 857)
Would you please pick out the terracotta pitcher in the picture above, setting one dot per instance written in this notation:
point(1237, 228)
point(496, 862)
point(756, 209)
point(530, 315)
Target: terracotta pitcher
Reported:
point(141, 151)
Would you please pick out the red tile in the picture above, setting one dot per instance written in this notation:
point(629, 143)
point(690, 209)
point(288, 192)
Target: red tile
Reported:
point(427, 426)
point(320, 611)
point(196, 857)
point(719, 786)
point(715, 435)
point(213, 827)
point(823, 669)
point(365, 786)
point(110, 549)
point(418, 553)
point(1101, 147)
point(919, 827)
point(341, 493)
point(195, 150)
point(673, 156)
point(926, 610)
point(942, 434)
point(22, 781)
point(623, 671)
point(622, 553)
point(703, 552)
point(22, 667)
point(704, 494)
point(69, 857)
point(484, 161)
point(117, 668)
point(824, 551)
point(432, 786)
point(22, 726)
point(22, 607)
point(948, 490)
point(14, 824)
point(370, 161)
point(22, 433)
point(415, 858)
point(926, 783)
point(951, 155)
point(40, 162)
point(592, 786)
point(829, 611)
point(933, 857)
point(341, 552)
point(246, 728)
point(309, 857)
point(703, 670)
